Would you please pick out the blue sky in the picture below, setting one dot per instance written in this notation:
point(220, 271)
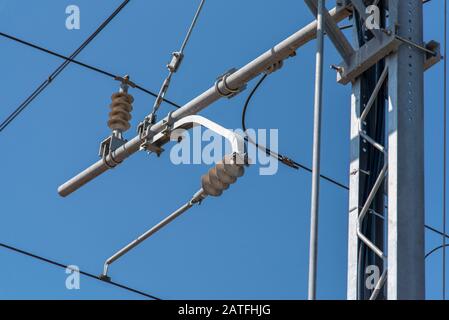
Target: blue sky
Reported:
point(250, 243)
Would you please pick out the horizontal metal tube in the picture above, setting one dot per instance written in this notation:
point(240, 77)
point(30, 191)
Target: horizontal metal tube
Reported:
point(236, 80)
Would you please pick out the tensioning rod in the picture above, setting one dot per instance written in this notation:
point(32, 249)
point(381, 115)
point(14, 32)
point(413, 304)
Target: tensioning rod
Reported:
point(197, 198)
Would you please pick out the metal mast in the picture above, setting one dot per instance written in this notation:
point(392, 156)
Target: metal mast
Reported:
point(406, 156)
point(387, 109)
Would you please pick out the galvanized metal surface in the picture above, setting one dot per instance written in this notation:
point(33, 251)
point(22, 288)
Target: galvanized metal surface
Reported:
point(318, 101)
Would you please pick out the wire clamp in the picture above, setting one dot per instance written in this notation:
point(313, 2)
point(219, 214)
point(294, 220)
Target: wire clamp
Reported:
point(230, 91)
point(107, 147)
point(125, 81)
point(144, 131)
point(275, 67)
point(168, 123)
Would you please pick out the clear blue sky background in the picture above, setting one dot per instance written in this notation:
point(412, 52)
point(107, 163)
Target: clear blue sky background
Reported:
point(250, 243)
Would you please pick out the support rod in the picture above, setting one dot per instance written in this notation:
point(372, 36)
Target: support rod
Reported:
point(313, 251)
point(198, 197)
point(337, 37)
point(238, 79)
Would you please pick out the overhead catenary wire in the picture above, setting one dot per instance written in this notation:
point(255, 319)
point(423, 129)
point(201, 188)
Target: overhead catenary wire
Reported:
point(84, 65)
point(428, 254)
point(87, 274)
point(61, 68)
point(281, 158)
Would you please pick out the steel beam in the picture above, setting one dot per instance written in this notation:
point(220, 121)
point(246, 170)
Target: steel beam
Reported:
point(367, 173)
point(366, 56)
point(238, 79)
point(406, 276)
point(354, 192)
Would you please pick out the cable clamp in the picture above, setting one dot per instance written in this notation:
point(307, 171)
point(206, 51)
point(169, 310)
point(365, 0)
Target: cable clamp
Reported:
point(230, 91)
point(274, 67)
point(125, 81)
point(168, 123)
point(144, 131)
point(107, 148)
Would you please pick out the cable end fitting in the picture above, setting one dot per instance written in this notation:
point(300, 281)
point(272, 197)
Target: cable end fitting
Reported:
point(175, 62)
point(104, 278)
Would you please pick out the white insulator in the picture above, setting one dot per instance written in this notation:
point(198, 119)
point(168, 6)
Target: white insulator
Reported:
point(120, 114)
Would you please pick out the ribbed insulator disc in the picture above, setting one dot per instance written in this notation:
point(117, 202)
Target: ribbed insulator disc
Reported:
point(208, 187)
point(120, 114)
point(220, 177)
point(223, 175)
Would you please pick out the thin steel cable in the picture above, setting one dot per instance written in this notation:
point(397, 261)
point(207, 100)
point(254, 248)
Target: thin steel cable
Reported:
point(192, 26)
point(82, 64)
point(445, 149)
point(87, 274)
point(435, 250)
point(166, 83)
point(281, 158)
point(61, 68)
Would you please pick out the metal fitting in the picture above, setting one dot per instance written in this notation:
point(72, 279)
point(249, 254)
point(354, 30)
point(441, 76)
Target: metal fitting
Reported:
point(230, 91)
point(175, 62)
point(274, 67)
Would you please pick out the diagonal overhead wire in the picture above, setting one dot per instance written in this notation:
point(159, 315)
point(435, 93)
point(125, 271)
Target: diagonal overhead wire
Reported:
point(61, 68)
point(87, 274)
point(82, 64)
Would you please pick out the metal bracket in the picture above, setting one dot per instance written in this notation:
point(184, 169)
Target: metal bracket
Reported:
point(377, 49)
point(147, 145)
point(367, 56)
point(107, 147)
point(168, 123)
point(432, 59)
point(231, 92)
point(144, 133)
point(236, 141)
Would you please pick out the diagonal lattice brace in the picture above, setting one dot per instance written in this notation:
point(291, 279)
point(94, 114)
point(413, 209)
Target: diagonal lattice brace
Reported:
point(337, 37)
